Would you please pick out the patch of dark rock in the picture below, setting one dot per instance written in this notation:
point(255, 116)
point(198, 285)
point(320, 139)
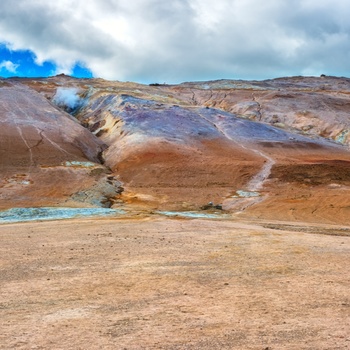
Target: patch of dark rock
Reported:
point(157, 84)
point(99, 171)
point(313, 174)
point(211, 205)
point(298, 145)
point(97, 125)
point(285, 95)
point(101, 132)
point(107, 203)
point(100, 157)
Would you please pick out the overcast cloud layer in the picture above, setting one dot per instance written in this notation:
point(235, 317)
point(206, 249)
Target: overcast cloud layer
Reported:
point(182, 40)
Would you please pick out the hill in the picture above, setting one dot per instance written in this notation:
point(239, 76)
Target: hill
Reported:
point(276, 149)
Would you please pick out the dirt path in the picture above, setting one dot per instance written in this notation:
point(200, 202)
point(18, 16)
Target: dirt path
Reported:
point(172, 284)
point(250, 196)
point(257, 182)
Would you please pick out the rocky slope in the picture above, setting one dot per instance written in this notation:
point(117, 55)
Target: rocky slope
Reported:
point(47, 157)
point(272, 149)
point(309, 105)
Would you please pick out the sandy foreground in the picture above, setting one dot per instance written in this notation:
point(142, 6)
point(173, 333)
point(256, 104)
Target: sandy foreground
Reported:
point(160, 283)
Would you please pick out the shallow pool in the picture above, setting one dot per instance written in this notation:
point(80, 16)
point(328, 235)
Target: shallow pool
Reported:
point(53, 213)
point(193, 214)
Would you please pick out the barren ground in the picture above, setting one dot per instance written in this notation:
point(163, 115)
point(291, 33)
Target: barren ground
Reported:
point(158, 283)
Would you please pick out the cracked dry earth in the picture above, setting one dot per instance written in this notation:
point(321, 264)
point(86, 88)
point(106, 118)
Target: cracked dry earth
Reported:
point(160, 283)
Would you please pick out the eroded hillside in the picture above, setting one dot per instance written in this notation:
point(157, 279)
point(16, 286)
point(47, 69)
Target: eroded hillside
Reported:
point(271, 149)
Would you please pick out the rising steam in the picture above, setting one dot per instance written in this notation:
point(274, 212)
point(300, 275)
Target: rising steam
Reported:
point(67, 98)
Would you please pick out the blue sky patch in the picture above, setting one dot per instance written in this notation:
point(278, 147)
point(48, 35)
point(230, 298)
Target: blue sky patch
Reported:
point(21, 63)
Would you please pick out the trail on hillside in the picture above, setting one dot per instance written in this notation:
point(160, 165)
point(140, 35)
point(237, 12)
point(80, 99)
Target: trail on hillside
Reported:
point(257, 182)
point(249, 196)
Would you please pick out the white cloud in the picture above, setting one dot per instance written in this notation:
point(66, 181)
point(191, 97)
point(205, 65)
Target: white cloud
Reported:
point(173, 41)
point(9, 66)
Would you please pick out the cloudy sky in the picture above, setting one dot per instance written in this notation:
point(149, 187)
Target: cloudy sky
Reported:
point(175, 40)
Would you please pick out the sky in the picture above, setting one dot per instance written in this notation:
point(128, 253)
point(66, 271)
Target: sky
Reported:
point(172, 41)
